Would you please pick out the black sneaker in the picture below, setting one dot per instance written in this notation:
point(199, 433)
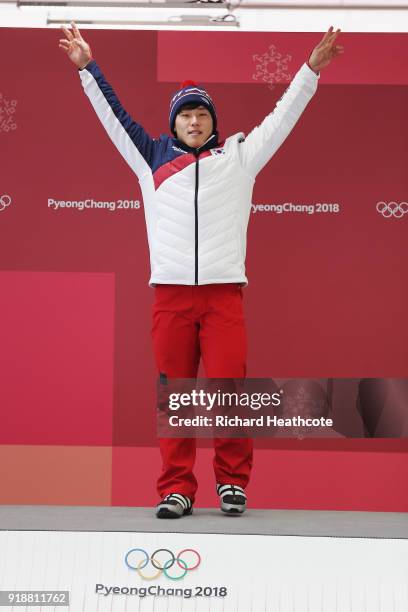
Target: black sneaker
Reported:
point(174, 505)
point(232, 498)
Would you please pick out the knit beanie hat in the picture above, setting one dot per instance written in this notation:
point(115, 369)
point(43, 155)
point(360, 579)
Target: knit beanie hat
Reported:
point(191, 93)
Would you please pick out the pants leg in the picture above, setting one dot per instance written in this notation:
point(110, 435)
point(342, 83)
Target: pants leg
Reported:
point(177, 354)
point(224, 350)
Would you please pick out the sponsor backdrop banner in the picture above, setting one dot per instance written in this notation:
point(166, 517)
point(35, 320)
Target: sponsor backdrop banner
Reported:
point(327, 253)
point(172, 572)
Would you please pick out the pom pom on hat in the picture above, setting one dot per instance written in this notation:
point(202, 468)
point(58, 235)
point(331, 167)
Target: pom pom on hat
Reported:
point(187, 83)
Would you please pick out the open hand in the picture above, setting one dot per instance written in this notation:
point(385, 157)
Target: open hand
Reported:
point(75, 47)
point(325, 51)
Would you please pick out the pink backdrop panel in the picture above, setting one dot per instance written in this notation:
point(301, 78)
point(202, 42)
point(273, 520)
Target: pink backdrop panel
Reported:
point(56, 359)
point(248, 57)
point(327, 293)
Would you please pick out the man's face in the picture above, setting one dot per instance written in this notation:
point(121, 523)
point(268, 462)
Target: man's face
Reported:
point(194, 126)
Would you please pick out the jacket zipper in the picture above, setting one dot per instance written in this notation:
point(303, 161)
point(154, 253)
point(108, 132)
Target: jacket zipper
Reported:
point(196, 220)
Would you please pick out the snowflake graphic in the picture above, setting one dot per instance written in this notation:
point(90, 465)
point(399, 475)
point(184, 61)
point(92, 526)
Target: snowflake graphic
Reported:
point(305, 402)
point(7, 110)
point(272, 67)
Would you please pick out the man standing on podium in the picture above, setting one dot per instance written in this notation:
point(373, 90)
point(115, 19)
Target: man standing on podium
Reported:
point(197, 199)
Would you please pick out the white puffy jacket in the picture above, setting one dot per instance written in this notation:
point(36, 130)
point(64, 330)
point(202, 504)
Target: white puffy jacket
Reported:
point(197, 202)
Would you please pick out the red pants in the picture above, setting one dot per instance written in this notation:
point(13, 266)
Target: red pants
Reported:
point(190, 322)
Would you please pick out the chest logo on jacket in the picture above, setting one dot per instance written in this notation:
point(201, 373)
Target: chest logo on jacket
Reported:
point(217, 152)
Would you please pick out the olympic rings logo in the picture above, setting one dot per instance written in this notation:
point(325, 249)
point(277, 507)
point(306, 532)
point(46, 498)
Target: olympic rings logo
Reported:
point(392, 209)
point(5, 200)
point(162, 560)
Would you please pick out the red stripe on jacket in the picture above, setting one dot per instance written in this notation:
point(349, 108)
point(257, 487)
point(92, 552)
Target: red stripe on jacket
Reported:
point(174, 166)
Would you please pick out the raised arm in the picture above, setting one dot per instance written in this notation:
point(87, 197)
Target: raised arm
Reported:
point(135, 145)
point(264, 140)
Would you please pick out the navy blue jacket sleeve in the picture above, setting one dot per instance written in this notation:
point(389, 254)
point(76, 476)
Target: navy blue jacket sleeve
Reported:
point(136, 146)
